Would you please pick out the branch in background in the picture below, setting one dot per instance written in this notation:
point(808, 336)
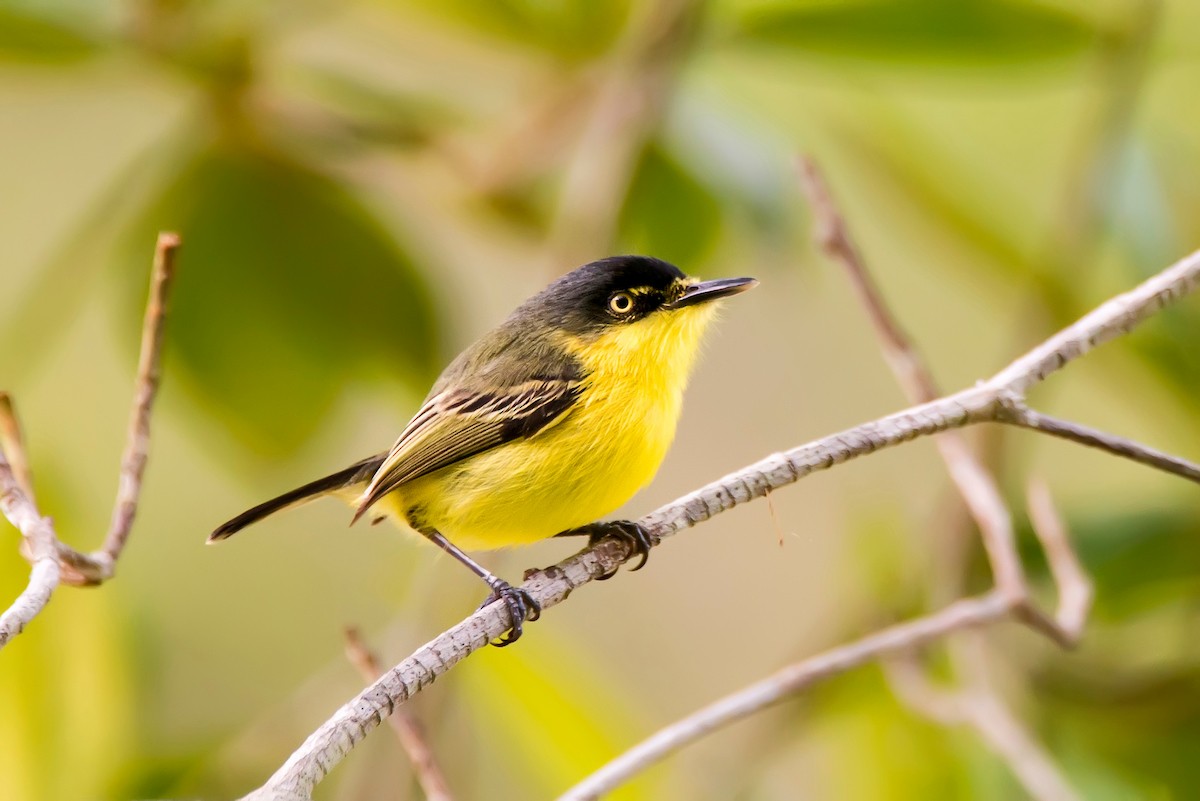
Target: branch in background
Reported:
point(787, 682)
point(334, 739)
point(408, 730)
point(1074, 586)
point(53, 561)
point(980, 706)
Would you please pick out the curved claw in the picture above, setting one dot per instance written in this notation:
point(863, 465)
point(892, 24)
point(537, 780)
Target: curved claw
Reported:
point(521, 606)
point(638, 538)
point(635, 536)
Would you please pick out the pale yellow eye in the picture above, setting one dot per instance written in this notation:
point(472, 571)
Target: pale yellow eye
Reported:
point(621, 303)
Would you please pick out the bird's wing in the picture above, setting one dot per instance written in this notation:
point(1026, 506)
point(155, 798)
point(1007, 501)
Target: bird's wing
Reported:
point(457, 423)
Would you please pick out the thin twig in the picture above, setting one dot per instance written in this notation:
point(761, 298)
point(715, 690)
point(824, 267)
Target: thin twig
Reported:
point(790, 680)
point(53, 561)
point(1074, 587)
point(334, 739)
point(408, 730)
point(1024, 417)
point(833, 235)
point(137, 443)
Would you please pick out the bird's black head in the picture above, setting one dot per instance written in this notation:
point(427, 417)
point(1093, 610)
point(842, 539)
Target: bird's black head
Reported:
point(618, 291)
point(612, 291)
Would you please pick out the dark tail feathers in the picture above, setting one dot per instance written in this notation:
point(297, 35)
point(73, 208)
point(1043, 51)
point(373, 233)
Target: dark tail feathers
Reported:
point(359, 472)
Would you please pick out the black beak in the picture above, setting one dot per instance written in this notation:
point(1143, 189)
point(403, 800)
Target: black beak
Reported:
point(704, 291)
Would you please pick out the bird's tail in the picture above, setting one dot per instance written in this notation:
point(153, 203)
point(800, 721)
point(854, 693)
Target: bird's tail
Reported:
point(357, 473)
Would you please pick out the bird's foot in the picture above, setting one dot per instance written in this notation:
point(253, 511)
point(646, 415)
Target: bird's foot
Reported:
point(638, 539)
point(521, 606)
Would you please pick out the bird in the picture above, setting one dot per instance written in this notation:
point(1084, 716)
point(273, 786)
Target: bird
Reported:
point(547, 423)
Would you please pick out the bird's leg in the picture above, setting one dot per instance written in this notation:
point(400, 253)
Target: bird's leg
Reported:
point(521, 605)
point(633, 534)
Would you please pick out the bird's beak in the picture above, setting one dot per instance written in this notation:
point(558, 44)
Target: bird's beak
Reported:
point(704, 291)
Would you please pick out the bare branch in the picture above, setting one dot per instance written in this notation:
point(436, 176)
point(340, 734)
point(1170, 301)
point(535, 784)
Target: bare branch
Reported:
point(1024, 417)
point(137, 444)
point(408, 730)
point(980, 707)
point(790, 680)
point(832, 233)
point(1073, 585)
point(53, 561)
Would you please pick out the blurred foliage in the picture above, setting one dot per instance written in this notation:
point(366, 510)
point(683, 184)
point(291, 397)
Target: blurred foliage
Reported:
point(668, 211)
point(27, 36)
point(354, 181)
point(295, 288)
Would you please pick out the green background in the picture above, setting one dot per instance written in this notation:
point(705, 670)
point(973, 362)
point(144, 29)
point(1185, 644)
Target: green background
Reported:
point(364, 187)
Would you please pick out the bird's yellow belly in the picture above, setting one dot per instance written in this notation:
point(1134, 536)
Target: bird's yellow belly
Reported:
point(573, 473)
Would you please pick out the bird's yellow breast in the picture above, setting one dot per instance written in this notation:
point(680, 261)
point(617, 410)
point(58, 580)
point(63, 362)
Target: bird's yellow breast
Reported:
point(588, 463)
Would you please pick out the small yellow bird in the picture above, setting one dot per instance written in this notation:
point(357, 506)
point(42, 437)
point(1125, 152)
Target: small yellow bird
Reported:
point(548, 422)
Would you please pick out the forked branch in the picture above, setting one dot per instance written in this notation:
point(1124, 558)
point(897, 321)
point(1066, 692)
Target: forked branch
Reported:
point(53, 561)
point(977, 704)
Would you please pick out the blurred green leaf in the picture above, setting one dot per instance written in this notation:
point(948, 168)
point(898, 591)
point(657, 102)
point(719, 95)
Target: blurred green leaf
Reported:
point(25, 36)
point(668, 212)
point(916, 31)
point(1153, 751)
point(287, 289)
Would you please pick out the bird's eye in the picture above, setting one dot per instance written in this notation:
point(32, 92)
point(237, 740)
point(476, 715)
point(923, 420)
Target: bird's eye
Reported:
point(621, 303)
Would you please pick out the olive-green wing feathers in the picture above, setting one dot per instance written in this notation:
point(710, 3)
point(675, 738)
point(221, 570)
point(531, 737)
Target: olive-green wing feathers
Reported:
point(457, 423)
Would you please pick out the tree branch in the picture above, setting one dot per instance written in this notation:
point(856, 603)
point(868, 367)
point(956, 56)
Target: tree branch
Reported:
point(335, 738)
point(54, 562)
point(408, 730)
point(959, 615)
point(1074, 586)
point(1018, 414)
point(137, 441)
point(980, 706)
